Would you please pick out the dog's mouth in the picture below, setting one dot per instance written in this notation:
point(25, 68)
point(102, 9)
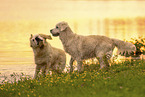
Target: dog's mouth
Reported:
point(38, 40)
point(57, 34)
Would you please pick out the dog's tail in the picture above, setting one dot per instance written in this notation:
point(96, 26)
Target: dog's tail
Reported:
point(124, 47)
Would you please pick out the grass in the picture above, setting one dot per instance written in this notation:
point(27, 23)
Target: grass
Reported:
point(126, 79)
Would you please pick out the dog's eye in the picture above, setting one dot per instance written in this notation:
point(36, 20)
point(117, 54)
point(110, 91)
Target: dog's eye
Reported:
point(57, 27)
point(32, 39)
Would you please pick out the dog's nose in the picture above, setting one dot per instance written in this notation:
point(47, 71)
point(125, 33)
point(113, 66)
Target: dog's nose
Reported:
point(51, 30)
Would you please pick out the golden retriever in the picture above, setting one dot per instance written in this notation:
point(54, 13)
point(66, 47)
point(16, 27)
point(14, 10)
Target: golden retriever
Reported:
point(85, 47)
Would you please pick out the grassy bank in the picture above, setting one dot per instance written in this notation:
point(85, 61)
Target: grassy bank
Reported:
point(126, 79)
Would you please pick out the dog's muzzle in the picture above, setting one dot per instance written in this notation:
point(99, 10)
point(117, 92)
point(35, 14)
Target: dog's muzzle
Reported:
point(38, 40)
point(56, 34)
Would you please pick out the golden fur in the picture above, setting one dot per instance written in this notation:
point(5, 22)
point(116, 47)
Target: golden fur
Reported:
point(46, 56)
point(85, 47)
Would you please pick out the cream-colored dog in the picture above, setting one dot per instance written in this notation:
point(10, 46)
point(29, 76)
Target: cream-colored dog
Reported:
point(85, 47)
point(46, 56)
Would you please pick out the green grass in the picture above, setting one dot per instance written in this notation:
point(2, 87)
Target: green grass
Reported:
point(126, 79)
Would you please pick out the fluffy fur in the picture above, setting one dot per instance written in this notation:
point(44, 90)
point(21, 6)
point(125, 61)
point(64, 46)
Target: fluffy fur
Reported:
point(46, 56)
point(85, 47)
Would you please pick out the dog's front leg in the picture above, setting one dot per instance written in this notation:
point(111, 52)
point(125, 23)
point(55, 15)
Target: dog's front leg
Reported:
point(71, 64)
point(37, 70)
point(79, 66)
point(44, 70)
point(103, 62)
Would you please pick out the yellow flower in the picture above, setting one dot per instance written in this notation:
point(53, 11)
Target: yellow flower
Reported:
point(63, 81)
point(58, 77)
point(19, 93)
point(31, 91)
point(83, 77)
point(34, 94)
point(85, 71)
point(1, 88)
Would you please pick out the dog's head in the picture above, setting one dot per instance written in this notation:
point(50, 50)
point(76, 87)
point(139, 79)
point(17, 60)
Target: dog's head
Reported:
point(38, 40)
point(60, 27)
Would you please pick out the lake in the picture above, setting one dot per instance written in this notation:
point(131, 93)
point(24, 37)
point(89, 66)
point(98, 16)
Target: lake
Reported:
point(84, 17)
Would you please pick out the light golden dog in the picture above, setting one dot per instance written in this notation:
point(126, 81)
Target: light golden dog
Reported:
point(85, 47)
point(46, 56)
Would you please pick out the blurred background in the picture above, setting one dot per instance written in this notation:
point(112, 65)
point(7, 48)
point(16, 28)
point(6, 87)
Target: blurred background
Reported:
point(121, 19)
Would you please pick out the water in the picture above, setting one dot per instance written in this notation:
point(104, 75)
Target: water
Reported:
point(112, 19)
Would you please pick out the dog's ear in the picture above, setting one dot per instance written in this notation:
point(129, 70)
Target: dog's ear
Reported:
point(31, 36)
point(46, 36)
point(64, 25)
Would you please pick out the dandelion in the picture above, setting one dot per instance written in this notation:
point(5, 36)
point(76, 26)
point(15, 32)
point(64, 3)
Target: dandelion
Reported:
point(19, 93)
point(34, 94)
point(78, 75)
point(1, 88)
point(58, 78)
point(85, 71)
point(63, 81)
point(83, 76)
point(32, 91)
